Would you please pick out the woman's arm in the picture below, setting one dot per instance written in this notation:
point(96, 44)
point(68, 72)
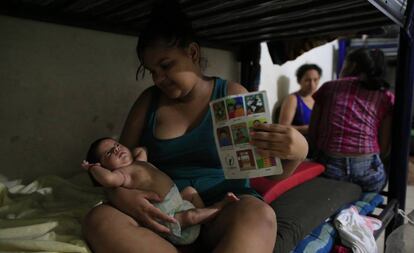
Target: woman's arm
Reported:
point(135, 121)
point(280, 141)
point(302, 129)
point(288, 109)
point(313, 125)
point(287, 113)
point(384, 137)
point(234, 88)
point(137, 203)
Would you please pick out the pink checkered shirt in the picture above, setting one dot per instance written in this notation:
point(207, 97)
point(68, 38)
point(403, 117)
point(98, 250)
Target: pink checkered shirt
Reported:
point(350, 117)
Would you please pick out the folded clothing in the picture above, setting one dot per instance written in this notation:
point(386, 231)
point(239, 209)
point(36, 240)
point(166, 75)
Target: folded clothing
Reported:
point(356, 231)
point(322, 238)
point(271, 190)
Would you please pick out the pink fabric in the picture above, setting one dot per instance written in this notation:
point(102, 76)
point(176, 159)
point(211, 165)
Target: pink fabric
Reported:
point(350, 116)
point(341, 249)
point(271, 190)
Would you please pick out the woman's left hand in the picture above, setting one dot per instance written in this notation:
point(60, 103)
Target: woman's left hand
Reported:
point(280, 141)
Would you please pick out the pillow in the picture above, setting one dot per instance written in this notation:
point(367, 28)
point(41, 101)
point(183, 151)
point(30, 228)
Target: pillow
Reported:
point(270, 189)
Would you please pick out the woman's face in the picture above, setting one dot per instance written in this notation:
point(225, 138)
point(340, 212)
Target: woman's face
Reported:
point(174, 70)
point(114, 155)
point(309, 82)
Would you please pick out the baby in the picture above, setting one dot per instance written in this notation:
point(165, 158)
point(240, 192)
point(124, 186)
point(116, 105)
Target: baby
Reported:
point(114, 165)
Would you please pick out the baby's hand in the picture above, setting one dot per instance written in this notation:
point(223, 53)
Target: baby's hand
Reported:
point(87, 166)
point(140, 154)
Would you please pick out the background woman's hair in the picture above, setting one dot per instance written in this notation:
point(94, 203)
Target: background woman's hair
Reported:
point(300, 72)
point(369, 66)
point(168, 25)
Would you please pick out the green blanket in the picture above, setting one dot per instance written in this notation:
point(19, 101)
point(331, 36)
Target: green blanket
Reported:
point(45, 215)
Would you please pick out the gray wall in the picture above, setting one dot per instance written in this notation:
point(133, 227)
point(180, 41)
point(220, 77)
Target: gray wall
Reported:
point(62, 87)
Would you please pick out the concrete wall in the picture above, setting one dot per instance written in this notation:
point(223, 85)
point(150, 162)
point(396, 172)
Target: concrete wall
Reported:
point(62, 87)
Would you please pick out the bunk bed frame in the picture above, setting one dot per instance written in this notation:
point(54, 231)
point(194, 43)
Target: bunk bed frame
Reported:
point(400, 147)
point(240, 24)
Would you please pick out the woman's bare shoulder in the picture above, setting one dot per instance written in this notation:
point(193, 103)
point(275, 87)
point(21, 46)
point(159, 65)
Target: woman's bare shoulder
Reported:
point(147, 93)
point(144, 98)
point(234, 88)
point(291, 98)
point(135, 121)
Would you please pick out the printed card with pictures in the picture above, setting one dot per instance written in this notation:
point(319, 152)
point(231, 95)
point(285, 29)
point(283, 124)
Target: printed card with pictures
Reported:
point(233, 119)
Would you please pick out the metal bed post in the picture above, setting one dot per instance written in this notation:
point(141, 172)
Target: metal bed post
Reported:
point(402, 117)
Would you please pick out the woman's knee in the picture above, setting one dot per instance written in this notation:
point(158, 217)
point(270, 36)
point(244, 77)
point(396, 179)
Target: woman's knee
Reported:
point(107, 229)
point(255, 211)
point(101, 218)
point(248, 216)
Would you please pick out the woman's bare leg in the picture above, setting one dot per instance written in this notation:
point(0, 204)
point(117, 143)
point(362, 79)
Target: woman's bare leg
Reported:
point(248, 225)
point(108, 230)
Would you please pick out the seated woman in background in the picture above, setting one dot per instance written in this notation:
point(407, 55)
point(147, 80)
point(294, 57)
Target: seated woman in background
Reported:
point(351, 121)
point(297, 107)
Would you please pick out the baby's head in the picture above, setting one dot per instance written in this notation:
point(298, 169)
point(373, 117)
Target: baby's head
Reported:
point(109, 153)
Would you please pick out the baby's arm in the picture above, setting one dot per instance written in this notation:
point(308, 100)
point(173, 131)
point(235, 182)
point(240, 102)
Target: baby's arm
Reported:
point(140, 154)
point(104, 176)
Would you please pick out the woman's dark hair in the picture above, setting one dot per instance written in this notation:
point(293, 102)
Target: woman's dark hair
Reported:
point(369, 66)
point(300, 72)
point(167, 24)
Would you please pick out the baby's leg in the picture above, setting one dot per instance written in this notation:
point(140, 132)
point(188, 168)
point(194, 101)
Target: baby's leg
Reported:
point(196, 215)
point(190, 194)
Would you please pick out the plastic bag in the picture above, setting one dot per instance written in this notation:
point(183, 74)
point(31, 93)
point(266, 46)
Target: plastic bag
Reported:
point(401, 240)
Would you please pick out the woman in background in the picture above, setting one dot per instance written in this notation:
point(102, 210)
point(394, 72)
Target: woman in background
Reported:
point(297, 107)
point(351, 121)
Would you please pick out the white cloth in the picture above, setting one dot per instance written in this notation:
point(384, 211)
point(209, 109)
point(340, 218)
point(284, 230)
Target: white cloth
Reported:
point(356, 231)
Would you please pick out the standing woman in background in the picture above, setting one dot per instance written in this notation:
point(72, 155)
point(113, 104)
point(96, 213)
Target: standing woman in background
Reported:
point(297, 107)
point(351, 121)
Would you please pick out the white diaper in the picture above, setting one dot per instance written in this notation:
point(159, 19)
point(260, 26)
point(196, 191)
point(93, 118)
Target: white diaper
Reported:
point(172, 204)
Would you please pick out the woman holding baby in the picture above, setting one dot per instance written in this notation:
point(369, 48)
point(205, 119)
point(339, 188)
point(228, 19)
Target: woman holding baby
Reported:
point(173, 121)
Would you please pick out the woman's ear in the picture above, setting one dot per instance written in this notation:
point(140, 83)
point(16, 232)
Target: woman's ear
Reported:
point(194, 52)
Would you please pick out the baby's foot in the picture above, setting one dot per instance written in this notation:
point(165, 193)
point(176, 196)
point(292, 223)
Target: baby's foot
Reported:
point(229, 198)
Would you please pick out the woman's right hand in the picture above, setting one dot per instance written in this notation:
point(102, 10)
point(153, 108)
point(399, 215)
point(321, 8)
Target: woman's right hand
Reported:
point(137, 204)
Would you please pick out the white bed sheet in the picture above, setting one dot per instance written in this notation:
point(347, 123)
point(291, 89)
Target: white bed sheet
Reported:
point(45, 215)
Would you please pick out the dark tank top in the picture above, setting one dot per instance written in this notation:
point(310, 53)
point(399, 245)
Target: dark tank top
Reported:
point(192, 159)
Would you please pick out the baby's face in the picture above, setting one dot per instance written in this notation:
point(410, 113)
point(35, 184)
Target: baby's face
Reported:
point(114, 155)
